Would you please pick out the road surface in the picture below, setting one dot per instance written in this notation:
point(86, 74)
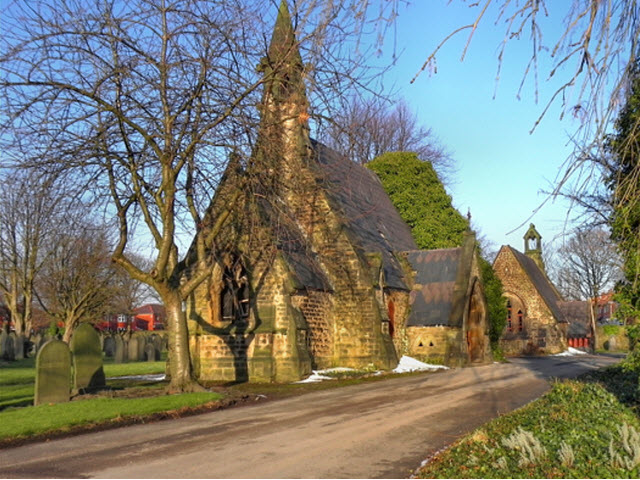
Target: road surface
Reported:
point(373, 430)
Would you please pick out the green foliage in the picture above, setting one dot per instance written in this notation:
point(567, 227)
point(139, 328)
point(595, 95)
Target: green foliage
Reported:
point(22, 422)
point(496, 302)
point(421, 200)
point(623, 183)
point(578, 430)
point(610, 330)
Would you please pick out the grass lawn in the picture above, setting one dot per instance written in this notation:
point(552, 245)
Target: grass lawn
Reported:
point(20, 419)
point(580, 429)
point(23, 422)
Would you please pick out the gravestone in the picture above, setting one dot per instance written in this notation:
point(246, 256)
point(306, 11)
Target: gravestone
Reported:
point(132, 349)
point(158, 344)
point(44, 339)
point(8, 347)
point(3, 338)
point(18, 346)
point(109, 346)
point(118, 355)
point(37, 341)
point(150, 352)
point(141, 343)
point(53, 373)
point(88, 373)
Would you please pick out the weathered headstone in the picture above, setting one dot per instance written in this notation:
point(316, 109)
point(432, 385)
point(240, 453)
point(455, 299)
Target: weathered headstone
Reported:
point(132, 349)
point(37, 341)
point(158, 344)
point(3, 338)
point(8, 347)
point(109, 346)
point(18, 346)
point(88, 373)
point(118, 355)
point(150, 352)
point(45, 338)
point(53, 373)
point(141, 343)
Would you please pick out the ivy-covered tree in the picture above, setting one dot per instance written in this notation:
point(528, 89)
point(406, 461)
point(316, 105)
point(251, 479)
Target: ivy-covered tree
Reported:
point(420, 198)
point(422, 201)
point(496, 302)
point(624, 186)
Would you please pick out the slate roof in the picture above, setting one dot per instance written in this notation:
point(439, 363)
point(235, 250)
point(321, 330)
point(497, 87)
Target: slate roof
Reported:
point(577, 314)
point(371, 220)
point(541, 283)
point(302, 262)
point(433, 294)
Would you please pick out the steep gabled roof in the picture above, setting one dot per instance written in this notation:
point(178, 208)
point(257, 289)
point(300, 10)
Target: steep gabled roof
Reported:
point(370, 219)
point(540, 282)
point(577, 314)
point(431, 298)
point(440, 285)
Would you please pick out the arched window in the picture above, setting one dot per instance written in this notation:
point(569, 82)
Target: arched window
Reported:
point(509, 318)
point(520, 321)
point(234, 297)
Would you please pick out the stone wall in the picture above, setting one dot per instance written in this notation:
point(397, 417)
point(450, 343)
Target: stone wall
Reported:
point(317, 308)
point(612, 338)
point(541, 334)
point(272, 346)
point(437, 344)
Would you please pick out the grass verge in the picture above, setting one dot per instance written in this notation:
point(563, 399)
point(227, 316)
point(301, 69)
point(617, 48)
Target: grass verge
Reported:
point(580, 429)
point(61, 417)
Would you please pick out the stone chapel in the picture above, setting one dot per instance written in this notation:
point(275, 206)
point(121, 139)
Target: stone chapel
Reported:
point(536, 323)
point(314, 268)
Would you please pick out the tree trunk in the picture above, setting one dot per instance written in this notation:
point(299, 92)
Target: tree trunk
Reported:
point(182, 379)
point(592, 315)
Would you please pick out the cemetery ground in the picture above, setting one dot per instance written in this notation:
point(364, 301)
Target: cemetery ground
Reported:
point(596, 426)
point(132, 395)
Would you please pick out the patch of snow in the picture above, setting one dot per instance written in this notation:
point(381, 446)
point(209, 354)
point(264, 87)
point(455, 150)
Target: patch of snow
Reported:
point(315, 376)
point(408, 364)
point(570, 352)
point(158, 377)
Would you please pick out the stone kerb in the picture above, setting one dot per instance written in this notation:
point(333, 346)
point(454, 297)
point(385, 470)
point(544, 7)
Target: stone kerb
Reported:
point(88, 373)
point(53, 373)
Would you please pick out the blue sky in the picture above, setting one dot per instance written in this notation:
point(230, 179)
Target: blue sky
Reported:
point(502, 168)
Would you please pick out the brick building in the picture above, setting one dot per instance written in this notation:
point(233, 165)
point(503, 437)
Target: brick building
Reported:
point(535, 321)
point(310, 270)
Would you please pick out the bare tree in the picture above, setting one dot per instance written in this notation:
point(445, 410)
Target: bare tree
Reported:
point(145, 101)
point(593, 60)
point(366, 128)
point(78, 281)
point(589, 266)
point(28, 209)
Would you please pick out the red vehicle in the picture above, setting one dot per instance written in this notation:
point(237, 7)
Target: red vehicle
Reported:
point(149, 317)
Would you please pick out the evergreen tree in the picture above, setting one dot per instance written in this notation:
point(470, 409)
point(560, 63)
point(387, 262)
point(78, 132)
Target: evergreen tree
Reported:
point(420, 198)
point(624, 186)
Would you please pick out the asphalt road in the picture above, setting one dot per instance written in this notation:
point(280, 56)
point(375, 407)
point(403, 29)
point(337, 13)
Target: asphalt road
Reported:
point(375, 430)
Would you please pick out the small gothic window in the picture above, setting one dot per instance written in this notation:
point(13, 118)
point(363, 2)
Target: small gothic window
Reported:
point(509, 323)
point(234, 297)
point(520, 321)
